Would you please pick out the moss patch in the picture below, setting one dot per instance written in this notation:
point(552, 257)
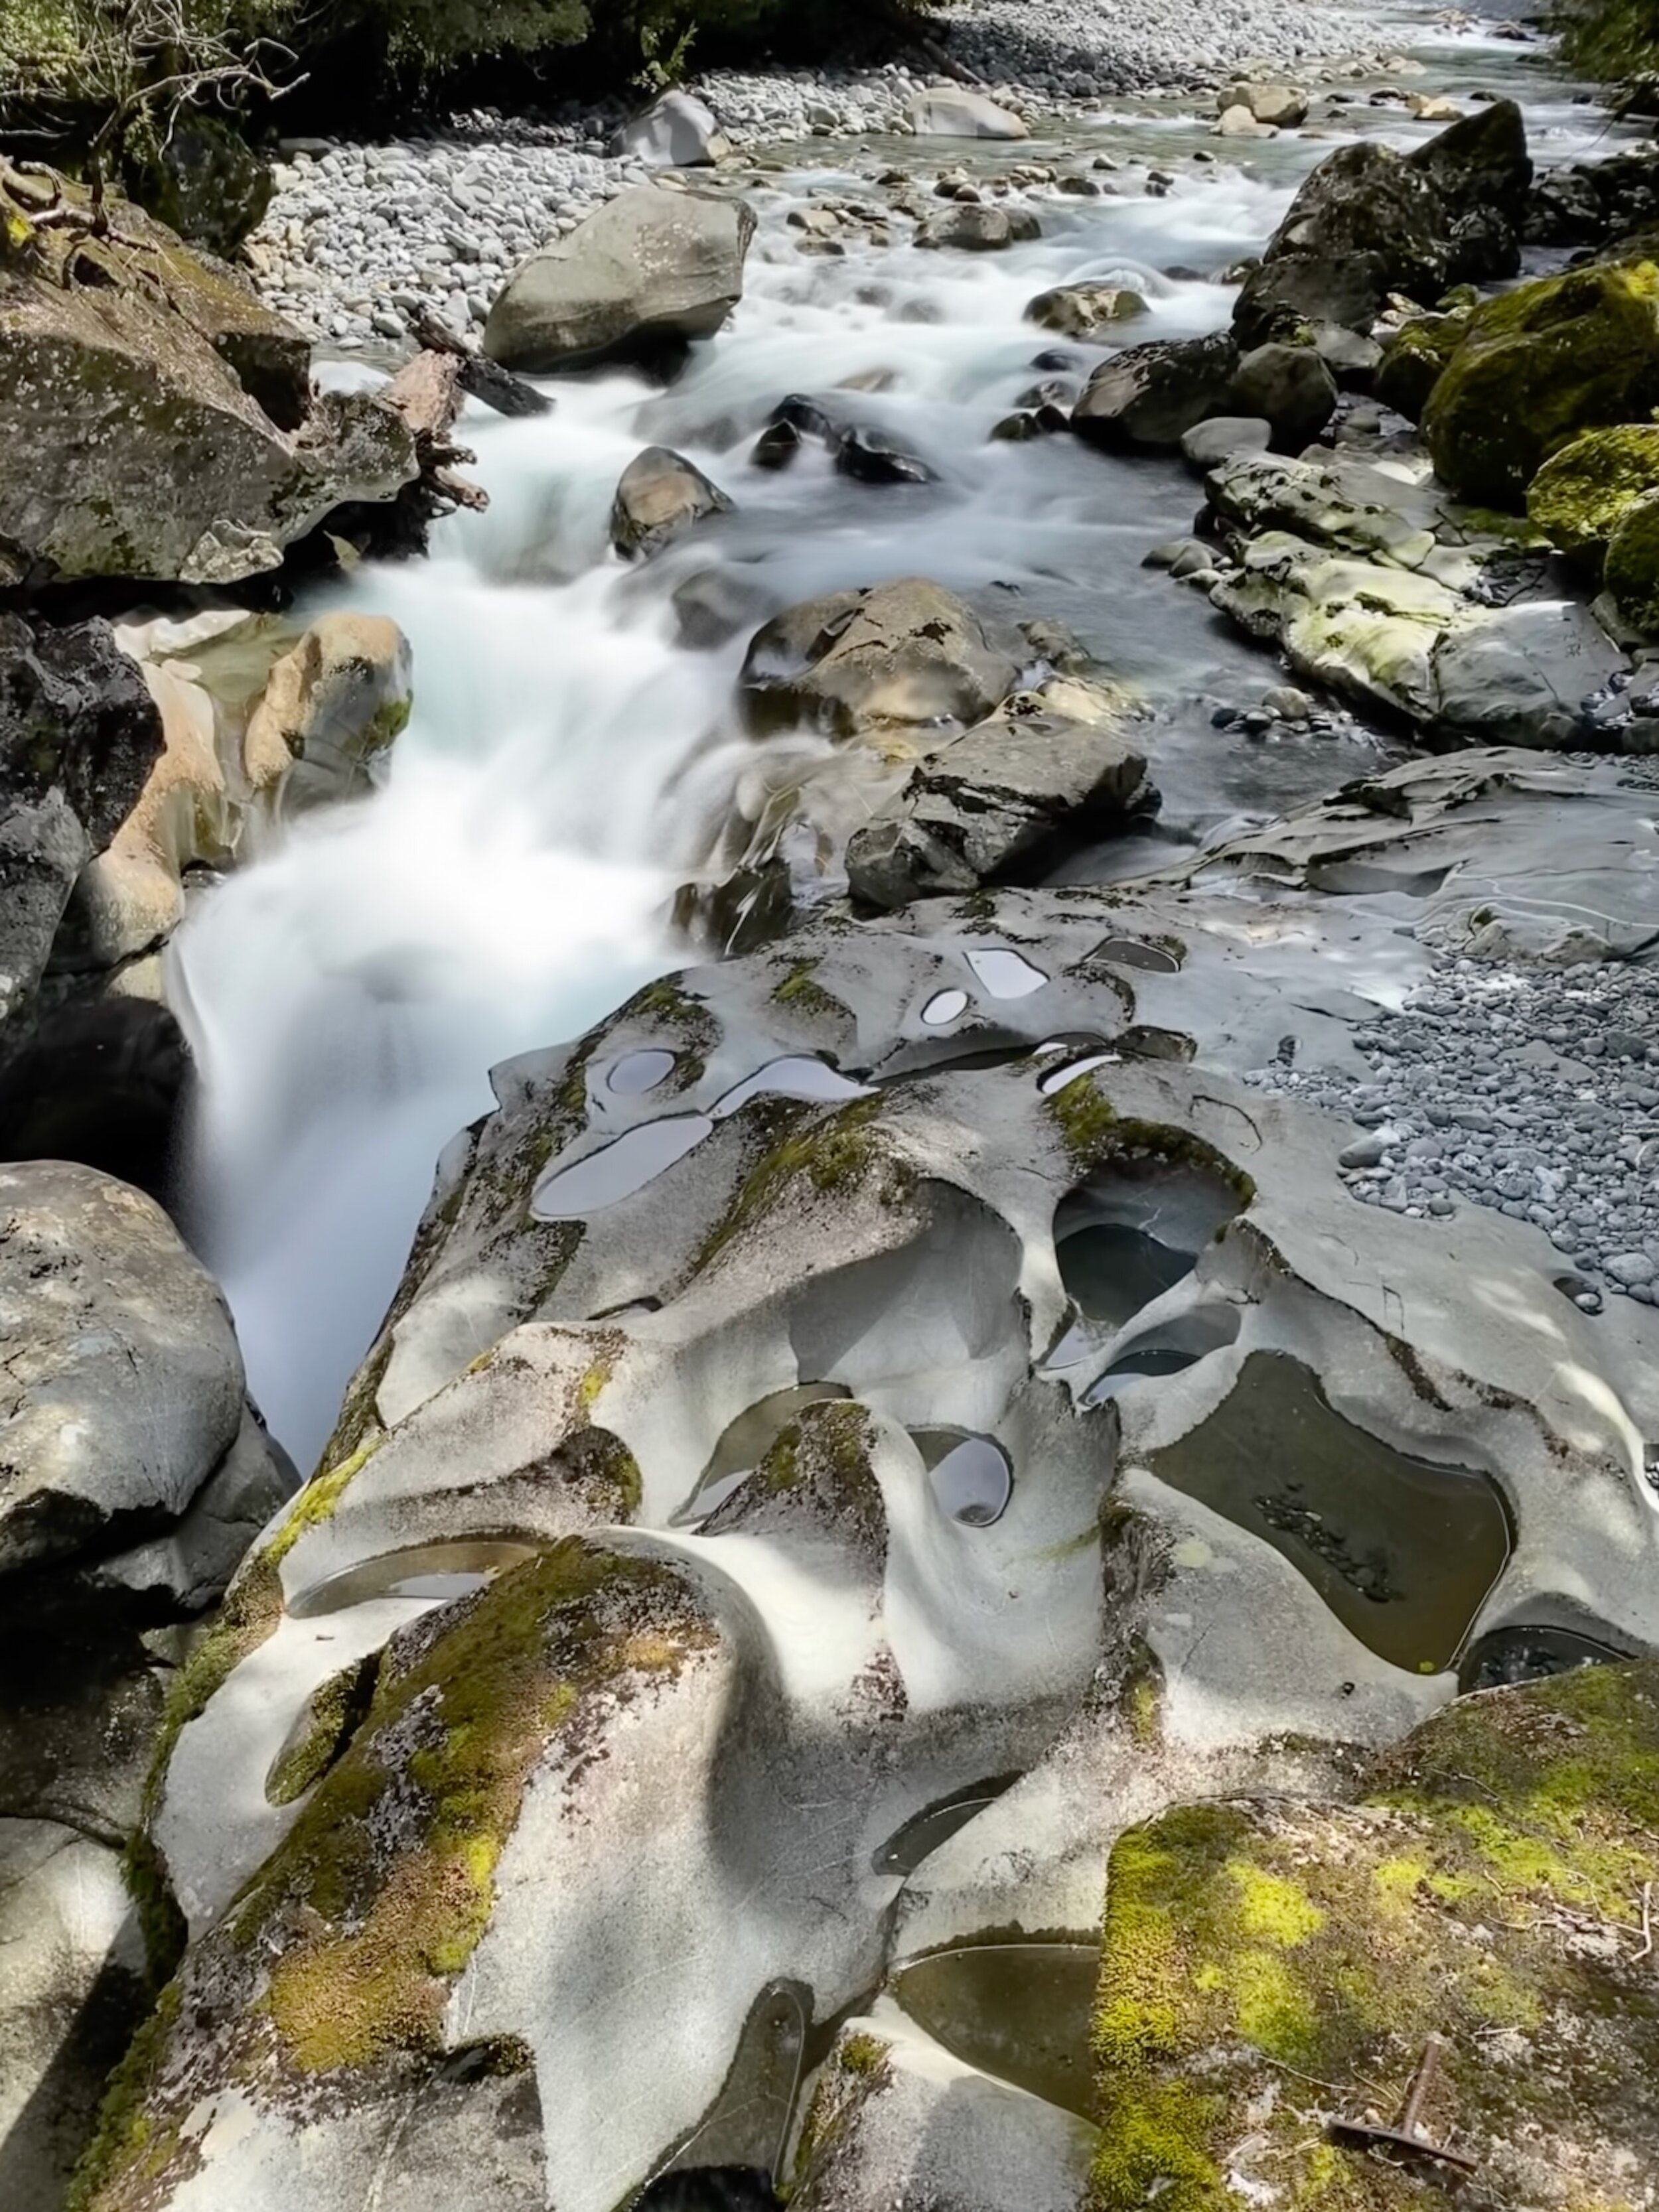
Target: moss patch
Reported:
point(387, 1877)
point(826, 1152)
point(1093, 1133)
point(802, 995)
point(858, 2068)
point(1266, 1968)
point(1581, 494)
point(1632, 567)
point(333, 1713)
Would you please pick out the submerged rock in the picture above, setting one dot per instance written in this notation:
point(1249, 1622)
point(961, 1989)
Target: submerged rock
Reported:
point(1484, 1889)
point(660, 497)
point(1533, 368)
point(636, 281)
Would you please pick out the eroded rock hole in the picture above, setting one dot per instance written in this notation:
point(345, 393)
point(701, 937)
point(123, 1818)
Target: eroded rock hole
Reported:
point(1019, 2011)
point(1133, 1230)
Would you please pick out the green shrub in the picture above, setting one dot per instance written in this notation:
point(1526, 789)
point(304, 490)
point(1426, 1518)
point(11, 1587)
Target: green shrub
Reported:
point(1610, 40)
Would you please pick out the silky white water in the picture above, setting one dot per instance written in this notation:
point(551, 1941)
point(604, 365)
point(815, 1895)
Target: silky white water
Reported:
point(568, 764)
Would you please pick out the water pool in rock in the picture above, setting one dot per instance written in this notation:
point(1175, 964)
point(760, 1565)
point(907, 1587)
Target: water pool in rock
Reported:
point(745, 1441)
point(971, 1476)
point(924, 1831)
point(1403, 1550)
point(1021, 2011)
point(1133, 1231)
point(432, 1573)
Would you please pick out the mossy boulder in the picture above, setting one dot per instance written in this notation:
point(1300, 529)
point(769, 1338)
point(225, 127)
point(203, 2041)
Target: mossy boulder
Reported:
point(1415, 358)
point(1581, 494)
point(205, 181)
point(1267, 1969)
point(1632, 565)
point(1536, 368)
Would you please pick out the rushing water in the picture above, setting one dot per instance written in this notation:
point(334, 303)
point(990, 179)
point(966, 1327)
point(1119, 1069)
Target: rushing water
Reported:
point(568, 762)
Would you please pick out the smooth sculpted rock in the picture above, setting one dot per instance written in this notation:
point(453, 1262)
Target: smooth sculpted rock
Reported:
point(1050, 769)
point(79, 735)
point(1487, 1888)
point(1079, 311)
point(158, 420)
point(640, 278)
point(678, 131)
point(1149, 396)
point(330, 708)
point(954, 111)
point(660, 497)
point(1582, 493)
point(906, 656)
point(1535, 367)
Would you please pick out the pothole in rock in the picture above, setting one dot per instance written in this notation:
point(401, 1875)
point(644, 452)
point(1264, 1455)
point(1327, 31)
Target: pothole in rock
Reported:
point(971, 1476)
point(944, 1007)
point(430, 1572)
point(1019, 2011)
point(1057, 1079)
point(617, 1169)
point(1133, 1230)
point(744, 1442)
point(1135, 952)
point(748, 2126)
point(1404, 1551)
point(1168, 1351)
point(1529, 1654)
point(637, 1073)
point(1362, 878)
point(920, 1836)
point(1005, 973)
point(802, 1076)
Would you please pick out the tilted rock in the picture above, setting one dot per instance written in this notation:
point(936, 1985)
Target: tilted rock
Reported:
point(1152, 395)
point(637, 280)
point(660, 497)
point(1049, 769)
point(1579, 495)
point(905, 660)
point(159, 419)
point(79, 735)
point(1481, 163)
point(677, 131)
point(1536, 367)
point(954, 111)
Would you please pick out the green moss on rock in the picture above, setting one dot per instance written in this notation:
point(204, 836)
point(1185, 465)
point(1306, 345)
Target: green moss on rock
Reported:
point(1581, 494)
point(1413, 358)
point(333, 1712)
point(1266, 1968)
point(1536, 368)
point(1095, 1132)
point(1632, 565)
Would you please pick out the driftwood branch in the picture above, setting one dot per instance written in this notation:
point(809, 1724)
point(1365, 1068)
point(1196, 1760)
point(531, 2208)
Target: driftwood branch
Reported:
point(427, 394)
point(485, 379)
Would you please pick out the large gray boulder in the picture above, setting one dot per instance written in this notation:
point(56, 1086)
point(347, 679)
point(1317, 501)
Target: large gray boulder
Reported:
point(637, 280)
point(157, 421)
point(954, 111)
point(1048, 770)
point(1149, 396)
point(79, 734)
point(904, 656)
point(678, 131)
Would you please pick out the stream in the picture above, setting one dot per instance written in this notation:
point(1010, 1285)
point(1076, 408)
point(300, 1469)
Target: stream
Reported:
point(568, 763)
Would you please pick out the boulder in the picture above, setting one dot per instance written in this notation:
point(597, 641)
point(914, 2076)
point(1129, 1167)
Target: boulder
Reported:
point(1295, 290)
point(1534, 368)
point(1049, 769)
point(1366, 199)
point(1631, 572)
point(954, 111)
point(1414, 358)
point(329, 709)
point(159, 420)
point(1208, 442)
point(105, 1082)
point(677, 131)
point(901, 657)
point(203, 181)
point(1483, 1879)
point(1079, 310)
point(1291, 387)
point(1238, 122)
point(79, 736)
point(660, 497)
point(1152, 395)
point(636, 281)
point(1481, 164)
point(980, 229)
point(1281, 105)
point(1583, 491)
point(1586, 203)
point(124, 1389)
point(1525, 675)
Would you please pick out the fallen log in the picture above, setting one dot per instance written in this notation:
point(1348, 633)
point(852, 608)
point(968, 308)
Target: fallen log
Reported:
point(484, 379)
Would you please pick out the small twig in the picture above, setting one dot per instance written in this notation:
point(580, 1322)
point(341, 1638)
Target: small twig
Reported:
point(1647, 1922)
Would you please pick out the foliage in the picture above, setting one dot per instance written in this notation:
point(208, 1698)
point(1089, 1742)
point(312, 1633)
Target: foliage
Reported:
point(1609, 39)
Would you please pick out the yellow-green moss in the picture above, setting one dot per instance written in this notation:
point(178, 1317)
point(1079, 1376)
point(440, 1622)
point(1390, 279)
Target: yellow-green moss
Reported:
point(333, 1712)
point(127, 2140)
point(1413, 358)
point(1632, 565)
point(1582, 493)
point(1259, 1947)
point(391, 1918)
point(1093, 1133)
point(160, 1924)
point(798, 991)
point(831, 1151)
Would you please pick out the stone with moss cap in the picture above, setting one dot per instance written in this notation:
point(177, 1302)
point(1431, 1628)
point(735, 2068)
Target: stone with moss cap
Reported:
point(1268, 1968)
point(1583, 492)
point(1537, 367)
point(1632, 565)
